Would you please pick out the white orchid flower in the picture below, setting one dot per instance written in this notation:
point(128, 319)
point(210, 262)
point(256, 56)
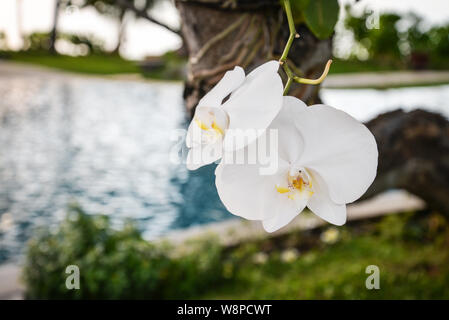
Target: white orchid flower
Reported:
point(326, 160)
point(254, 102)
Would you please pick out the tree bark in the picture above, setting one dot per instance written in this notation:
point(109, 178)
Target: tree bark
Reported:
point(222, 34)
point(413, 155)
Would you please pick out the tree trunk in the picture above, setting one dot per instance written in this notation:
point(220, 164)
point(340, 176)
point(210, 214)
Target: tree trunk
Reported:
point(19, 10)
point(222, 34)
point(54, 30)
point(413, 155)
point(121, 31)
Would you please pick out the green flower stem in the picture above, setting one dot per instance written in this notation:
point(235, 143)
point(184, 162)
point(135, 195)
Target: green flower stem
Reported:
point(287, 85)
point(283, 60)
point(315, 81)
point(293, 34)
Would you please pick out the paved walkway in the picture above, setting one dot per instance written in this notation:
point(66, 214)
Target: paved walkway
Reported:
point(383, 80)
point(10, 286)
point(235, 231)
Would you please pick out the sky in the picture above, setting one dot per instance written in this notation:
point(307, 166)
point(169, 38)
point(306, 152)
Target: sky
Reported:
point(143, 38)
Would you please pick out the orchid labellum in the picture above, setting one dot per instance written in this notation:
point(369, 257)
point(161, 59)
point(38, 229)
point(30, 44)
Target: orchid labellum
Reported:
point(254, 101)
point(326, 159)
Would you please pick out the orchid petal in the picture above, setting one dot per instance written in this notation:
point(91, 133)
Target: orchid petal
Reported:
point(230, 81)
point(193, 136)
point(286, 211)
point(204, 154)
point(341, 149)
point(245, 192)
point(321, 204)
point(256, 103)
point(290, 140)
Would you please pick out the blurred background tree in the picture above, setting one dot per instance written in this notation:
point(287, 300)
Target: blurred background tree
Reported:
point(3, 44)
point(116, 9)
point(399, 42)
point(381, 43)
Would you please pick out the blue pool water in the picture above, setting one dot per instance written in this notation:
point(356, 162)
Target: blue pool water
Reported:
point(109, 146)
point(106, 145)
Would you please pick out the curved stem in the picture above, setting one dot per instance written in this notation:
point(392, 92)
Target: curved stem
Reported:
point(315, 81)
point(283, 60)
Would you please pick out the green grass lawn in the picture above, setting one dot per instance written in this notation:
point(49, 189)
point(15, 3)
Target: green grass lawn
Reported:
point(92, 64)
point(101, 64)
point(412, 257)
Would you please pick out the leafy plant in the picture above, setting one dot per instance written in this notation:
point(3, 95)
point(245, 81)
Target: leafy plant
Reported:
point(115, 263)
point(320, 16)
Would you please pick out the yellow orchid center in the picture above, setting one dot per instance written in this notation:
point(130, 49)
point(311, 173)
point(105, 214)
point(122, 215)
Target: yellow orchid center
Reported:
point(217, 128)
point(298, 183)
point(201, 124)
point(207, 121)
point(282, 189)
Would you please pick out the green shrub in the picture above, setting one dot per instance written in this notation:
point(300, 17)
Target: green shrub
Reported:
point(115, 263)
point(414, 45)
